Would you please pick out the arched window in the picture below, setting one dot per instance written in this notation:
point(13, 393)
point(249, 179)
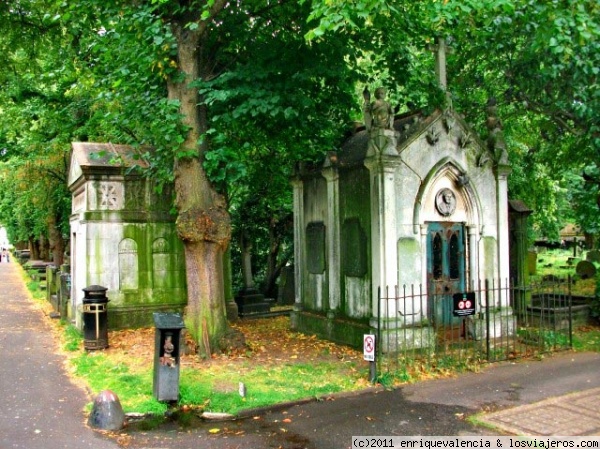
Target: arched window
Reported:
point(438, 256)
point(128, 265)
point(454, 256)
point(160, 263)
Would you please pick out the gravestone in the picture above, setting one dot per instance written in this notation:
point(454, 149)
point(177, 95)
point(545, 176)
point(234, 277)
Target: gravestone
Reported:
point(249, 300)
point(586, 269)
point(593, 256)
point(286, 286)
point(532, 262)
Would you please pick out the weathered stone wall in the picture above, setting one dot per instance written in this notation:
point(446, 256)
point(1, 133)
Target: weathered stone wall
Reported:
point(123, 238)
point(315, 281)
point(355, 240)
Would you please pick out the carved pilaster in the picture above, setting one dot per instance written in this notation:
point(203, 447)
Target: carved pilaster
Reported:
point(330, 173)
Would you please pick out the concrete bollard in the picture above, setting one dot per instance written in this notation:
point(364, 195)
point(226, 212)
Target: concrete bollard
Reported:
point(107, 413)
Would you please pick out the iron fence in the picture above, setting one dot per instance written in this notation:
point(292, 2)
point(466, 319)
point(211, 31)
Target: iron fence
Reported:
point(491, 321)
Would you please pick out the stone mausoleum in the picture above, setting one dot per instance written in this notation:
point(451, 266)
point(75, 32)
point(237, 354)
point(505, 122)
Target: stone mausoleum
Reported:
point(123, 237)
point(411, 200)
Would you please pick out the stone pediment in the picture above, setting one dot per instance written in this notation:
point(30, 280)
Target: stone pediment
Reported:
point(90, 158)
point(436, 128)
point(441, 125)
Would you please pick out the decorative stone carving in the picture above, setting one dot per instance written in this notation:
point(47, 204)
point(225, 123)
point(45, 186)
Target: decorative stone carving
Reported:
point(483, 159)
point(433, 136)
point(496, 140)
point(445, 202)
point(465, 140)
point(449, 122)
point(463, 180)
point(379, 121)
point(108, 196)
point(379, 113)
point(134, 195)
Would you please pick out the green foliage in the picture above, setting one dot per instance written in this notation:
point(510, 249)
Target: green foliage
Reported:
point(595, 303)
point(134, 390)
point(73, 339)
point(587, 339)
point(265, 386)
point(88, 70)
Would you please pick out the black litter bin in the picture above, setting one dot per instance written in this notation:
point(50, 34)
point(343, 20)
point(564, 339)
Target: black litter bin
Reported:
point(95, 314)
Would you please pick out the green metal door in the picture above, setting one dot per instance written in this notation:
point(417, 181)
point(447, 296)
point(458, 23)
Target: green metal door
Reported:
point(445, 270)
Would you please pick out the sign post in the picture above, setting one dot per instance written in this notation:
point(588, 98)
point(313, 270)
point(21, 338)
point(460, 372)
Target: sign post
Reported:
point(369, 355)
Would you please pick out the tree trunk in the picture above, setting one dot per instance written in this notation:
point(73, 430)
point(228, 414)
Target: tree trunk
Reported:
point(276, 231)
point(44, 248)
point(56, 241)
point(203, 222)
point(34, 249)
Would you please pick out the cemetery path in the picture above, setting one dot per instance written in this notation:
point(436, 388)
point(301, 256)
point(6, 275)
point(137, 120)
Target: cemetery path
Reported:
point(41, 407)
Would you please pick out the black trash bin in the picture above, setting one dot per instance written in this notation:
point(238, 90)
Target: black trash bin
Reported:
point(95, 314)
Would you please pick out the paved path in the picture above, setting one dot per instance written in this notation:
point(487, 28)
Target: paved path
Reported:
point(39, 407)
point(576, 414)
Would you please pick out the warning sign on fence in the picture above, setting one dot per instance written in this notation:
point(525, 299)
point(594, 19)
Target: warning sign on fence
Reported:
point(464, 304)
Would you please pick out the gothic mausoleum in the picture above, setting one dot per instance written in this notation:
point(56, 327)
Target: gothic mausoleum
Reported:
point(412, 201)
point(123, 237)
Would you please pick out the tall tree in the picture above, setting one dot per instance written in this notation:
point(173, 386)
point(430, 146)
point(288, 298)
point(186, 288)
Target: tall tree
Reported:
point(210, 85)
point(37, 117)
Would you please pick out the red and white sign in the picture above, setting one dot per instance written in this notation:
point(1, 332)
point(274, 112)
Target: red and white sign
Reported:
point(464, 304)
point(369, 347)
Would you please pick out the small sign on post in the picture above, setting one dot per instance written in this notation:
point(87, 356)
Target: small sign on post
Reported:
point(369, 347)
point(369, 355)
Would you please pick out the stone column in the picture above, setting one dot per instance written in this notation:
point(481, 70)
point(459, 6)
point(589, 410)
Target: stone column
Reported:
point(247, 276)
point(473, 255)
point(230, 304)
point(330, 173)
point(299, 240)
point(384, 245)
point(423, 229)
point(502, 173)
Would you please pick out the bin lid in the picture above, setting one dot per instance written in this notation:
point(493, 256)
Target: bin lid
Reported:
point(94, 294)
point(164, 320)
point(95, 289)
